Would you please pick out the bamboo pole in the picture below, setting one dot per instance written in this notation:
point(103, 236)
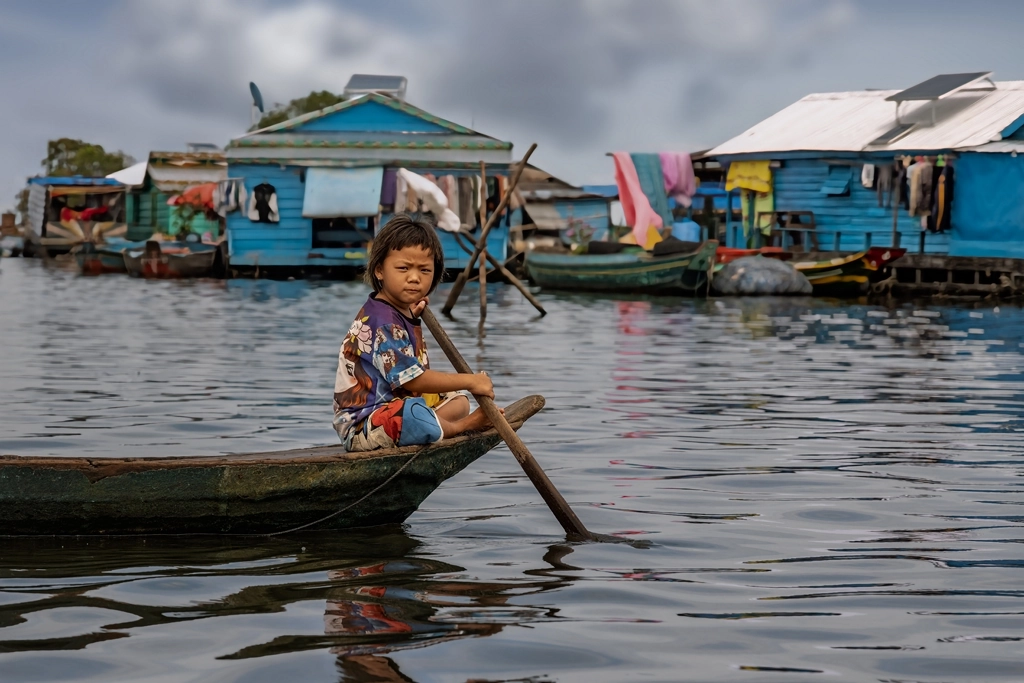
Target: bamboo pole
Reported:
point(483, 247)
point(460, 281)
point(557, 504)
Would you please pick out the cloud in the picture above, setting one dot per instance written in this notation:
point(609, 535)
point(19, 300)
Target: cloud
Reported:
point(580, 77)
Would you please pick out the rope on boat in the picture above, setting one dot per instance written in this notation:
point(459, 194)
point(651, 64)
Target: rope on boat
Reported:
point(350, 505)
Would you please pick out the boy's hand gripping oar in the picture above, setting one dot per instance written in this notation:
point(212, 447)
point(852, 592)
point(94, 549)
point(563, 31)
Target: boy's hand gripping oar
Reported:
point(563, 513)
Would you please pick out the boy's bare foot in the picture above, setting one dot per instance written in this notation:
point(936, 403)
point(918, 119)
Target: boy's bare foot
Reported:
point(477, 420)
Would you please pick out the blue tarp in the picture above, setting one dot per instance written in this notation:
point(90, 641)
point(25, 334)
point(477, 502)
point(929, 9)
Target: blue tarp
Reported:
point(71, 180)
point(988, 212)
point(333, 192)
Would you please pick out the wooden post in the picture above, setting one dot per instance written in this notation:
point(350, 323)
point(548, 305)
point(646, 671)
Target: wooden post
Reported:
point(559, 507)
point(460, 281)
point(894, 197)
point(483, 247)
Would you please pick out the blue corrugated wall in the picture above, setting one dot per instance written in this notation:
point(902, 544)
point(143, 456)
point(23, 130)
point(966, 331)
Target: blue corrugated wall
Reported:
point(797, 185)
point(289, 242)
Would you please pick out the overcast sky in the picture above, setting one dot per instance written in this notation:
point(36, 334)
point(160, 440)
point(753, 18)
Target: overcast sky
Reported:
point(579, 77)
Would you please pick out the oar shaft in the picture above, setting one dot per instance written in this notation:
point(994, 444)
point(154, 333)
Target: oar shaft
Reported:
point(558, 505)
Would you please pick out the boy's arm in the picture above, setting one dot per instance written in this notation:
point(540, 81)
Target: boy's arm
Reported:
point(435, 382)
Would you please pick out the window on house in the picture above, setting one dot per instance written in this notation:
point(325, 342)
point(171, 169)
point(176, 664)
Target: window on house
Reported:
point(837, 184)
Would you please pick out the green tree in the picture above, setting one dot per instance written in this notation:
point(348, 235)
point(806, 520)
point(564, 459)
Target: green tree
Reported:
point(22, 206)
point(68, 157)
point(314, 101)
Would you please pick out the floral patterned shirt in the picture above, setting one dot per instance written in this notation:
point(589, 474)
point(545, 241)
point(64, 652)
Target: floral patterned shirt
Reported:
point(382, 351)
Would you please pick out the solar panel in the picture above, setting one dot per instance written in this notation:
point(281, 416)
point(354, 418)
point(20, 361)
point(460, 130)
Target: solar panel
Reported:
point(893, 134)
point(366, 83)
point(937, 87)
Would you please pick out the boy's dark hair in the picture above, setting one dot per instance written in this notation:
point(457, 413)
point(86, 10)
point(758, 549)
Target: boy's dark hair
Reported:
point(404, 230)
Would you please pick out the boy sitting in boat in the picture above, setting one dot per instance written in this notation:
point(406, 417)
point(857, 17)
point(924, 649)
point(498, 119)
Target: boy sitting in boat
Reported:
point(385, 393)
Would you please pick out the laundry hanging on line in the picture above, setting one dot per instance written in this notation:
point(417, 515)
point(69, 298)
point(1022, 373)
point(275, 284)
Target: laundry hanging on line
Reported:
point(433, 199)
point(263, 204)
point(636, 208)
point(679, 179)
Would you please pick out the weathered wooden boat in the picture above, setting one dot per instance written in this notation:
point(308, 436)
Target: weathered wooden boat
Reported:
point(629, 271)
point(171, 259)
point(98, 259)
point(848, 275)
point(257, 493)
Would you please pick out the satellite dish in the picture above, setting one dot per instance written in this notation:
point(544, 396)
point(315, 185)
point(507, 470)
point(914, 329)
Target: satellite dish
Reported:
point(257, 98)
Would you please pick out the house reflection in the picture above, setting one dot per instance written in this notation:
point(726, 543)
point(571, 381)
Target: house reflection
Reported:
point(367, 622)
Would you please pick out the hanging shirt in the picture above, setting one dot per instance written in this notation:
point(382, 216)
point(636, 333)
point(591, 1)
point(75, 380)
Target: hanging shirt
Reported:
point(383, 351)
point(263, 204)
point(867, 176)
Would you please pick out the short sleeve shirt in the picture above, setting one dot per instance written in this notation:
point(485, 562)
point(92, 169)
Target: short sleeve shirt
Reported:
point(383, 351)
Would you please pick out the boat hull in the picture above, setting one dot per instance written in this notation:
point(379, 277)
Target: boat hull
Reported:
point(168, 263)
point(98, 260)
point(625, 272)
point(237, 494)
point(848, 275)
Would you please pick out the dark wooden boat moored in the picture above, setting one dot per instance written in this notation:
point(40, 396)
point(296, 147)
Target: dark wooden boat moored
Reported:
point(171, 260)
point(257, 493)
point(99, 259)
point(632, 272)
point(848, 275)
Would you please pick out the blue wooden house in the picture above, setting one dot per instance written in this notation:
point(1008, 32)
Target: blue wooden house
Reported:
point(560, 210)
point(328, 174)
point(817, 150)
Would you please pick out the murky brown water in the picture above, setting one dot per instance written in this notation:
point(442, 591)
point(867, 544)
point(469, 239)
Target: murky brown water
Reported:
point(831, 491)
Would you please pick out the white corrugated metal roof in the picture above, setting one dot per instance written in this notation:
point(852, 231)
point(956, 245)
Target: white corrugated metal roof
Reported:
point(850, 121)
point(133, 176)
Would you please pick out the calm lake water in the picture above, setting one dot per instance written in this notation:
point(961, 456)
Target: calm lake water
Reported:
point(831, 491)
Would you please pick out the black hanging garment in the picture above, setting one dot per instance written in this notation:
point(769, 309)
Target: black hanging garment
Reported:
point(263, 204)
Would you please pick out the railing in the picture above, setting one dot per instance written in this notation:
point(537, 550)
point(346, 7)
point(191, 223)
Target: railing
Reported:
point(787, 238)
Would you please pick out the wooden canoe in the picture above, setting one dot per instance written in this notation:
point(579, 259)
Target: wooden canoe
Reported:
point(848, 275)
point(257, 493)
point(99, 259)
point(171, 260)
point(630, 272)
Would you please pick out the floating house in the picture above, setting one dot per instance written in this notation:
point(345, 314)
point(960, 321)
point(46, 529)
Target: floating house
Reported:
point(153, 183)
point(560, 211)
point(836, 169)
point(318, 186)
point(64, 212)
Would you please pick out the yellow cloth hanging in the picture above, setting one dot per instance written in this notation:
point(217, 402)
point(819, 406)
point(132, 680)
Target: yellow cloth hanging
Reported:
point(764, 202)
point(652, 238)
point(749, 175)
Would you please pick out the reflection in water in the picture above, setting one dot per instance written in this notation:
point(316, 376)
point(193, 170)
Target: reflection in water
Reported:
point(826, 488)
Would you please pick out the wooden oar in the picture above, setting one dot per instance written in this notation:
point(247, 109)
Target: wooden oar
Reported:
point(563, 513)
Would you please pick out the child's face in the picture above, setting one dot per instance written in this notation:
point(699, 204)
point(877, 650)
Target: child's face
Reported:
point(406, 276)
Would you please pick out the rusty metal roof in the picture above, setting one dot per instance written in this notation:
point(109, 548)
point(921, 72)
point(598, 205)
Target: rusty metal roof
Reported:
point(850, 121)
point(175, 171)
